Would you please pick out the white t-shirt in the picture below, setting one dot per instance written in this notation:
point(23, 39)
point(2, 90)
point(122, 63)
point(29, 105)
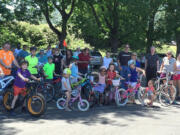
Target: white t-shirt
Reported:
point(67, 81)
point(168, 64)
point(178, 67)
point(106, 62)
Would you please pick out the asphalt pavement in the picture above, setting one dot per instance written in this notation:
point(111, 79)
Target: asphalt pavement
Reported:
point(106, 120)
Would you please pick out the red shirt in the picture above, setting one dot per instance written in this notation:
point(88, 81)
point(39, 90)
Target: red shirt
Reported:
point(110, 76)
point(83, 57)
point(150, 89)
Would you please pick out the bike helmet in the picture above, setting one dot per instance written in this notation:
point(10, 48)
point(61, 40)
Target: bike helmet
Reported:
point(131, 62)
point(67, 71)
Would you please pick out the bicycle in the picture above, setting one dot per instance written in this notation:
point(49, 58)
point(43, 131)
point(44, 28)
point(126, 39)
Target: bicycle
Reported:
point(35, 102)
point(163, 90)
point(83, 104)
point(45, 87)
point(4, 83)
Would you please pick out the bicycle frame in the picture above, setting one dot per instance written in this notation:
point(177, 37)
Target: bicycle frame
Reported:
point(5, 82)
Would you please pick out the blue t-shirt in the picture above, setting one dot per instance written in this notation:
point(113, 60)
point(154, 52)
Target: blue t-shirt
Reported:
point(138, 64)
point(42, 59)
point(23, 54)
point(18, 81)
point(134, 75)
point(74, 70)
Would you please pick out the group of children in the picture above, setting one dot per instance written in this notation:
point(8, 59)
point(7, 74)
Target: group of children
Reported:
point(103, 86)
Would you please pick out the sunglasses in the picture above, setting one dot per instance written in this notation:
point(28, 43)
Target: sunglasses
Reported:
point(169, 54)
point(103, 70)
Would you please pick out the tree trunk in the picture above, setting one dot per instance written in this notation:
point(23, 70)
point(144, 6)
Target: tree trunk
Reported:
point(114, 41)
point(150, 33)
point(178, 43)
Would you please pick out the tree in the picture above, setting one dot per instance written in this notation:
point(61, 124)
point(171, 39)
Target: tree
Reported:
point(172, 17)
point(64, 7)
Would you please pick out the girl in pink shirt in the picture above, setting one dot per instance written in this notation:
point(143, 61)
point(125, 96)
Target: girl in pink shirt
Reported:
point(150, 92)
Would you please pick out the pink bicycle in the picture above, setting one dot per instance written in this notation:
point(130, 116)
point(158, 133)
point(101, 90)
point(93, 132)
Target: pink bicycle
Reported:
point(83, 104)
point(124, 95)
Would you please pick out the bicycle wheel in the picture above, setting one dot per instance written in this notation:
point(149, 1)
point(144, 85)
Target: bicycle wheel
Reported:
point(167, 95)
point(36, 105)
point(83, 105)
point(141, 93)
point(61, 102)
point(47, 90)
point(7, 99)
point(121, 97)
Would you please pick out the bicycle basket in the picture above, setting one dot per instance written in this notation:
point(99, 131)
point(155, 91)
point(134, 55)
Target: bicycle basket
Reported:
point(116, 82)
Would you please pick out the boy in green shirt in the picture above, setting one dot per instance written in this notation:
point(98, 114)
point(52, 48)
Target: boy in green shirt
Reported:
point(49, 69)
point(32, 61)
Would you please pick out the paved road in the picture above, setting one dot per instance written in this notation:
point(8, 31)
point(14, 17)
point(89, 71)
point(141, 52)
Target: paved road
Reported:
point(109, 120)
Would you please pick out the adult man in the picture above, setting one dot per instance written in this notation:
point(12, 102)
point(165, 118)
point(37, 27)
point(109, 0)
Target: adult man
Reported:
point(43, 59)
point(7, 59)
point(107, 60)
point(84, 59)
point(151, 64)
point(32, 61)
point(17, 50)
point(49, 51)
point(23, 53)
point(77, 52)
point(123, 59)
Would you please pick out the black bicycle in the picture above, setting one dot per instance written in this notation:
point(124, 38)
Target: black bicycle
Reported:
point(35, 102)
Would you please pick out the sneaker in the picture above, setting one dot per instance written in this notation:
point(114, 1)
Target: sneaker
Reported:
point(23, 110)
point(68, 109)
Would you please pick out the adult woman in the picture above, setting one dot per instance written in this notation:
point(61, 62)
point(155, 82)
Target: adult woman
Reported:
point(107, 60)
point(68, 59)
point(58, 61)
point(166, 67)
point(177, 75)
point(134, 58)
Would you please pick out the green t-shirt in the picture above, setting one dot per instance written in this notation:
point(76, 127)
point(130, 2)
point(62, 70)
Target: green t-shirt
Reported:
point(49, 70)
point(33, 61)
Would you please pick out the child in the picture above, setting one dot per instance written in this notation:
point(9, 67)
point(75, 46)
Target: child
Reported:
point(111, 75)
point(150, 91)
point(19, 84)
point(101, 83)
point(133, 75)
point(74, 70)
point(66, 86)
point(49, 69)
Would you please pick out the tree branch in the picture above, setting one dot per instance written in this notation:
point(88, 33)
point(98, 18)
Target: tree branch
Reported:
point(106, 20)
point(72, 8)
point(46, 14)
point(96, 17)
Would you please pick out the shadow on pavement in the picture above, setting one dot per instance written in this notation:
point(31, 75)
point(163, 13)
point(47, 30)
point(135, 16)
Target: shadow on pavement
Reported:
point(92, 117)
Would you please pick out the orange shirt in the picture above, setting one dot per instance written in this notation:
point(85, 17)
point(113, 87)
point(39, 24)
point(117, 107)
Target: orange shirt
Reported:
point(7, 58)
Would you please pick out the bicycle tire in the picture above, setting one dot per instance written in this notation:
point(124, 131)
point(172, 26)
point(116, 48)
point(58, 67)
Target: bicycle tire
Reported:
point(165, 94)
point(81, 107)
point(121, 97)
point(60, 103)
point(141, 92)
point(7, 99)
point(31, 105)
point(47, 90)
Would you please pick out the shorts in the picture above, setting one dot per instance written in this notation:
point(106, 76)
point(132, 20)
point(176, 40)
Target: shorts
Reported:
point(18, 91)
point(176, 77)
point(133, 84)
point(164, 75)
point(150, 93)
point(100, 88)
